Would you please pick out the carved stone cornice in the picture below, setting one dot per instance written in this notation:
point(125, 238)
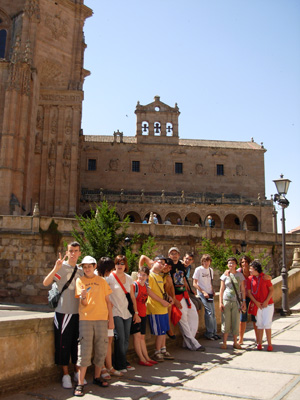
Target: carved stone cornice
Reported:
point(61, 97)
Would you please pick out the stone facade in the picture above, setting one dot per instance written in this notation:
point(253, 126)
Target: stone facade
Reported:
point(41, 79)
point(45, 159)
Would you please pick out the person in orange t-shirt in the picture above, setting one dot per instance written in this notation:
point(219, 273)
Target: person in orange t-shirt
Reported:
point(95, 317)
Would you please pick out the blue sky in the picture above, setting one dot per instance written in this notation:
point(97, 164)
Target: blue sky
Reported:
point(232, 66)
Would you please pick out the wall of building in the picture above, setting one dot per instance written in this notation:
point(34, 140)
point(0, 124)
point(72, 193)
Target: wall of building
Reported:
point(243, 167)
point(42, 78)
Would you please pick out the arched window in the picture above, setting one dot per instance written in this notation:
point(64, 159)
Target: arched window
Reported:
point(3, 36)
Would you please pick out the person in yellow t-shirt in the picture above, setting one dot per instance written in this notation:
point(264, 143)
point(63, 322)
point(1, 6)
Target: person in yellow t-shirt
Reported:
point(157, 308)
point(95, 317)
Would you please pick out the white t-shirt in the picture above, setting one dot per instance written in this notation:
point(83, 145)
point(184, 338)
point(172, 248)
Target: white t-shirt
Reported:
point(118, 297)
point(204, 280)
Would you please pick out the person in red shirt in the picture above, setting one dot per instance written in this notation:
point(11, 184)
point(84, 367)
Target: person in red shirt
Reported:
point(260, 292)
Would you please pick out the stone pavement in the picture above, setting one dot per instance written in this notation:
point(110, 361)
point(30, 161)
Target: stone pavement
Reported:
point(213, 375)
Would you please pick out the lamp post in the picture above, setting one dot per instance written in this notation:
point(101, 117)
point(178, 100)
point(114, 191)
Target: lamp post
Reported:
point(243, 246)
point(282, 186)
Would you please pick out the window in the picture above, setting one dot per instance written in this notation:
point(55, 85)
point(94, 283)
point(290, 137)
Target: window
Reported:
point(135, 167)
point(220, 169)
point(178, 168)
point(3, 35)
point(92, 164)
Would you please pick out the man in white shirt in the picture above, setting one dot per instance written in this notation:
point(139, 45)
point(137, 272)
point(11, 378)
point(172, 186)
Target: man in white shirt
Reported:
point(202, 281)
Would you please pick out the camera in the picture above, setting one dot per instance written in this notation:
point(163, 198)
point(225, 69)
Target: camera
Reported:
point(211, 297)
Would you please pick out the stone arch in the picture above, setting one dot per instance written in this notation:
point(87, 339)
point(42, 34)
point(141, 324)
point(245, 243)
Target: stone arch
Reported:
point(173, 217)
point(87, 214)
point(232, 221)
point(134, 216)
point(192, 219)
point(250, 223)
point(216, 218)
point(160, 221)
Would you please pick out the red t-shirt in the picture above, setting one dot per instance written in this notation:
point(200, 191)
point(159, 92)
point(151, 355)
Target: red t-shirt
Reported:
point(141, 299)
point(259, 288)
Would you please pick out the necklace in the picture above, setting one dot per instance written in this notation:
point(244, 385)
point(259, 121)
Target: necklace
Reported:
point(257, 287)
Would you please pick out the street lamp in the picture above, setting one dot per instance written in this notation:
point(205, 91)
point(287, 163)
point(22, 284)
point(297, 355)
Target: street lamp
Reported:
point(282, 186)
point(243, 246)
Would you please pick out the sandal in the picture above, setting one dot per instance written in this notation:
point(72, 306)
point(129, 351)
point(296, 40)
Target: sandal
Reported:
point(79, 390)
point(100, 382)
point(115, 372)
point(224, 346)
point(237, 346)
point(105, 375)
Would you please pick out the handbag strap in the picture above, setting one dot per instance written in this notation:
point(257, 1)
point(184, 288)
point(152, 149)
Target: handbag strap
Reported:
point(67, 284)
point(120, 283)
point(211, 280)
point(156, 283)
point(236, 293)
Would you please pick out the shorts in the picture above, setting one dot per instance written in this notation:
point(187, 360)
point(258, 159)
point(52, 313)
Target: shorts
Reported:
point(66, 333)
point(93, 339)
point(159, 324)
point(264, 317)
point(141, 327)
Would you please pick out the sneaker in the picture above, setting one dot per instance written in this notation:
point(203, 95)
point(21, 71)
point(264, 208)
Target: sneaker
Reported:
point(66, 382)
point(217, 337)
point(158, 357)
point(209, 337)
point(75, 378)
point(130, 368)
point(167, 356)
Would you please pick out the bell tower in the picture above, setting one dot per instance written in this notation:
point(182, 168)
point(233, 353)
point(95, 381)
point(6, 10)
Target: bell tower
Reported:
point(157, 122)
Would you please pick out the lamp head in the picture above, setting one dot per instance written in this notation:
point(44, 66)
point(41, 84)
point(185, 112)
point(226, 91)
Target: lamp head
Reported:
point(282, 185)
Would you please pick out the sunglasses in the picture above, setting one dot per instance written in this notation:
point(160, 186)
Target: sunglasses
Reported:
point(120, 263)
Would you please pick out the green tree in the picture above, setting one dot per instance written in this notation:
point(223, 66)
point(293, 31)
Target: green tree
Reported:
point(147, 247)
point(102, 233)
point(221, 252)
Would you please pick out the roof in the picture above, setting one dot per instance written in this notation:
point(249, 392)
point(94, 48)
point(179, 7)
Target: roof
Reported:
point(182, 142)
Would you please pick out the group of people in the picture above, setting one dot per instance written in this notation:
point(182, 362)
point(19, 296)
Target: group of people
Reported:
point(100, 303)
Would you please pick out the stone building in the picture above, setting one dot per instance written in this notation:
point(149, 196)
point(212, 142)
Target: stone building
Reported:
point(181, 180)
point(45, 159)
point(41, 80)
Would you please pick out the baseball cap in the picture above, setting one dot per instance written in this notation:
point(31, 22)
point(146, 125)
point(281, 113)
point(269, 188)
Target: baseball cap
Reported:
point(175, 249)
point(160, 257)
point(88, 260)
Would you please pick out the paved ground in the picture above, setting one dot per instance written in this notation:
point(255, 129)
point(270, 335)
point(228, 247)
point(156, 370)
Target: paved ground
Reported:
point(213, 375)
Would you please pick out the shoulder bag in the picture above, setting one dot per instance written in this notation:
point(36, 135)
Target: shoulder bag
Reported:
point(128, 297)
point(164, 294)
point(238, 299)
point(54, 294)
